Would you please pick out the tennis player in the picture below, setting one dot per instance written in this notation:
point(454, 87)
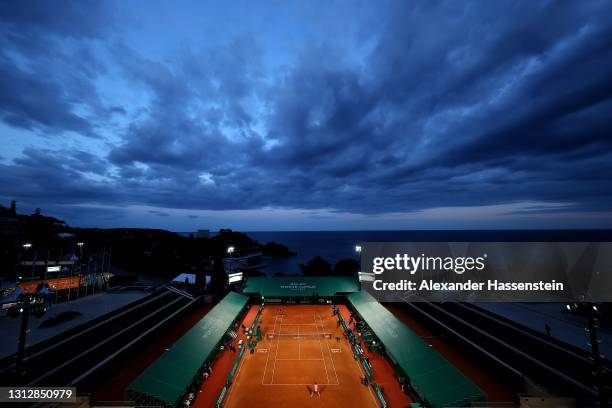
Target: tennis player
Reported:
point(315, 390)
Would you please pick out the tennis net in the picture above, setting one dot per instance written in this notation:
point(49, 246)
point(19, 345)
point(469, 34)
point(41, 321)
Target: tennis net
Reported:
point(299, 336)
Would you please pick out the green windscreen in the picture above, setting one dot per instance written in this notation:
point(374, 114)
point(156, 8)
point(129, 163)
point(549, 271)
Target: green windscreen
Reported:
point(301, 286)
point(438, 381)
point(167, 379)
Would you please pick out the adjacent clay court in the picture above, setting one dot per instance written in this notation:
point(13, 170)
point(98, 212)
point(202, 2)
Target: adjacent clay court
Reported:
point(302, 345)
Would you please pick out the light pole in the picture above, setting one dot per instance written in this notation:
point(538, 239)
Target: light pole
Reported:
point(27, 246)
point(30, 304)
point(358, 251)
point(593, 325)
point(25, 315)
point(592, 313)
point(24, 310)
point(18, 274)
point(70, 281)
point(230, 251)
point(80, 245)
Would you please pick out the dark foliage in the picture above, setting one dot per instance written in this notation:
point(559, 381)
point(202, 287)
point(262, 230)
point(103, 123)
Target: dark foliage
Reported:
point(274, 249)
point(346, 267)
point(317, 266)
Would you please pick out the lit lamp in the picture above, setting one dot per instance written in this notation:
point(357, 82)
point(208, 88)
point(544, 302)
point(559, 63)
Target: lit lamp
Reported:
point(230, 251)
point(80, 245)
point(27, 246)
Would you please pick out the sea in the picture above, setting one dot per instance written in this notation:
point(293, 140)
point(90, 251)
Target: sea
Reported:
point(335, 245)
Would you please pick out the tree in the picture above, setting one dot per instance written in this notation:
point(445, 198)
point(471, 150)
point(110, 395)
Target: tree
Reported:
point(346, 267)
point(317, 266)
point(13, 207)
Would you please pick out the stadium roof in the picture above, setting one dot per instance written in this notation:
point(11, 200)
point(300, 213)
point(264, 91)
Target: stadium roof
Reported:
point(437, 380)
point(167, 379)
point(301, 286)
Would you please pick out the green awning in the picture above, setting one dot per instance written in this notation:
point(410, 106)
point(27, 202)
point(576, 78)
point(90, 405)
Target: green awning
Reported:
point(167, 379)
point(301, 286)
point(438, 381)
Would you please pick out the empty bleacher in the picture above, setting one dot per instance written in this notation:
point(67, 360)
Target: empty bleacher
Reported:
point(82, 354)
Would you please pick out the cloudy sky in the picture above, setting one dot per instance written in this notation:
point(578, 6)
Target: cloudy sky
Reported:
point(280, 115)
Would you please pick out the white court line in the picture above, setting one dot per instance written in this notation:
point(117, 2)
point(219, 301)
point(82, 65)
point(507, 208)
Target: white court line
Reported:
point(314, 317)
point(362, 372)
point(299, 359)
point(330, 353)
point(369, 388)
point(276, 355)
point(318, 333)
point(268, 357)
point(302, 384)
point(229, 392)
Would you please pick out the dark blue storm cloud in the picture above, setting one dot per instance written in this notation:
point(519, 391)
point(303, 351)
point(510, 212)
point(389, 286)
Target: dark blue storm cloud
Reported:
point(374, 110)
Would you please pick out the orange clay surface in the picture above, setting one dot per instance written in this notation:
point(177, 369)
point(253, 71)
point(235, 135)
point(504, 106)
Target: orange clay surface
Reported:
point(382, 372)
point(282, 370)
point(54, 284)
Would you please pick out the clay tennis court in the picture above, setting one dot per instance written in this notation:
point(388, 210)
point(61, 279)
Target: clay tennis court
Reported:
point(300, 346)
